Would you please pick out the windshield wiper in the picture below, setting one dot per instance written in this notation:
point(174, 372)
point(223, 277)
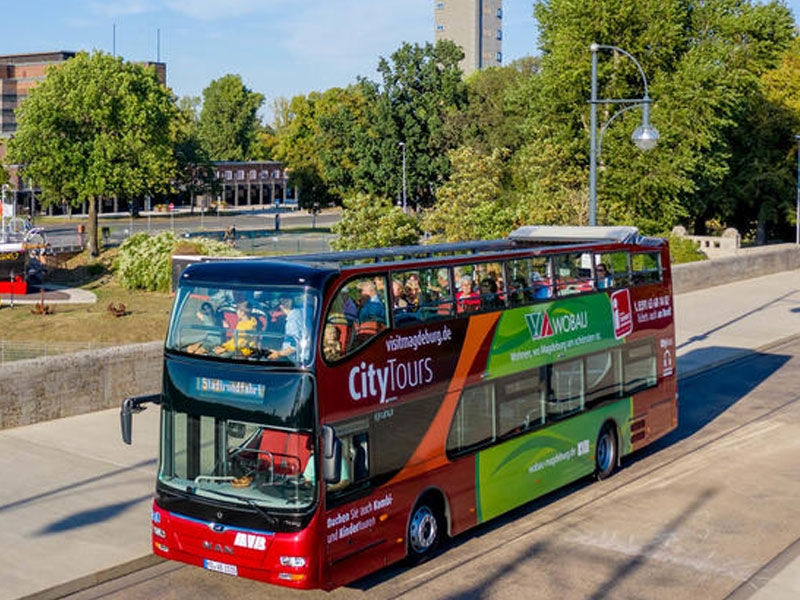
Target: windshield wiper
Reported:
point(252, 503)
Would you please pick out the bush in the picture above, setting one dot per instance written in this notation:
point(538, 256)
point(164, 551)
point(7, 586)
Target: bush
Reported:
point(683, 250)
point(145, 261)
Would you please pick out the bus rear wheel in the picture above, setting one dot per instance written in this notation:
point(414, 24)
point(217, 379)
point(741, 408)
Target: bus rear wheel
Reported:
point(605, 454)
point(425, 530)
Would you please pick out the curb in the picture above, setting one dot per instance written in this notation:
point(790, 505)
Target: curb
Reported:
point(88, 581)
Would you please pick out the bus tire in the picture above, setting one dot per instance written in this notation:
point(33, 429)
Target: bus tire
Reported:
point(605, 454)
point(426, 528)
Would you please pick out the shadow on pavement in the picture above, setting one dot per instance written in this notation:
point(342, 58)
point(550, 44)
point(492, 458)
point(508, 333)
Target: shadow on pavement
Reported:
point(92, 516)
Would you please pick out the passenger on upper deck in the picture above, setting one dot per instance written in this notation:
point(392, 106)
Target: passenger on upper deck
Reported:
point(604, 279)
point(295, 332)
point(372, 308)
point(240, 341)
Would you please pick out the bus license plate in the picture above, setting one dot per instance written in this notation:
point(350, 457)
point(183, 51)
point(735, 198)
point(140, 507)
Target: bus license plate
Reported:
point(219, 567)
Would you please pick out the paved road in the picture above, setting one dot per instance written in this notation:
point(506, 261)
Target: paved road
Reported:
point(697, 516)
point(75, 502)
point(120, 227)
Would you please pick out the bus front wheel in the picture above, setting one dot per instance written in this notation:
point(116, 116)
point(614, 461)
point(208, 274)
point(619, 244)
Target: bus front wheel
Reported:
point(425, 530)
point(605, 454)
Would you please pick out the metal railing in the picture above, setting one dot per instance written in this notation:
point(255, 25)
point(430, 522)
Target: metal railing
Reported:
point(13, 350)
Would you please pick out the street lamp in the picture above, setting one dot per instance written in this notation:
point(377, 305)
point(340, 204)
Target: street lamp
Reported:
point(645, 136)
point(403, 148)
point(2, 213)
point(797, 209)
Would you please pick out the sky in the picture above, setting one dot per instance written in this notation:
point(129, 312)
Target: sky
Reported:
point(281, 48)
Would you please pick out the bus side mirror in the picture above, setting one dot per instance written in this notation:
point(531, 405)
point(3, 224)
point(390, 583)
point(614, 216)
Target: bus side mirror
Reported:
point(331, 455)
point(130, 406)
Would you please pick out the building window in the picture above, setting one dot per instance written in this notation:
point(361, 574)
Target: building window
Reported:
point(499, 13)
point(499, 34)
point(228, 175)
point(252, 174)
point(264, 174)
point(240, 174)
point(499, 57)
point(439, 5)
point(439, 27)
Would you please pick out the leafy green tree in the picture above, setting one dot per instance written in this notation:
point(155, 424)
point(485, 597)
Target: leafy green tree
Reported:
point(370, 222)
point(97, 127)
point(195, 172)
point(492, 115)
point(420, 86)
point(758, 196)
point(229, 125)
point(469, 206)
point(703, 62)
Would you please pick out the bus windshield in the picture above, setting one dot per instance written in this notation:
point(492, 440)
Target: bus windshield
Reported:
point(264, 323)
point(237, 461)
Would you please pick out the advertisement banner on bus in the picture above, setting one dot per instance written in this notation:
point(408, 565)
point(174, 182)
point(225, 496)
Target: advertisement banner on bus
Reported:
point(510, 474)
point(540, 334)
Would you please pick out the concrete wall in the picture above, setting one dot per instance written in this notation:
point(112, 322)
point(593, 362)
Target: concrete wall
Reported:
point(71, 384)
point(746, 264)
point(61, 386)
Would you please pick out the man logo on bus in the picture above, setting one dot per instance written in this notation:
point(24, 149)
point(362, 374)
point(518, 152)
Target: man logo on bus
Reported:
point(539, 325)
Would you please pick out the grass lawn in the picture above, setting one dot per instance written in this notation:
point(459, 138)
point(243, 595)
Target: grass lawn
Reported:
point(145, 320)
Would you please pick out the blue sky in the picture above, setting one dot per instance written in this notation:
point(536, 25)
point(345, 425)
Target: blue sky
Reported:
point(281, 48)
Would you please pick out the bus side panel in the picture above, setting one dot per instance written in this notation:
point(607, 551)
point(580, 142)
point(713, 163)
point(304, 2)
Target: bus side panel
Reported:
point(370, 532)
point(515, 472)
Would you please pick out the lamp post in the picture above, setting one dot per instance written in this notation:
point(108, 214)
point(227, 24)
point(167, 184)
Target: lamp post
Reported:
point(403, 148)
point(645, 136)
point(797, 207)
point(2, 213)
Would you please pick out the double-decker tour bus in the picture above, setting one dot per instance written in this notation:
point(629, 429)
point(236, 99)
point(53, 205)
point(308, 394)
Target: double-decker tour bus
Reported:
point(323, 416)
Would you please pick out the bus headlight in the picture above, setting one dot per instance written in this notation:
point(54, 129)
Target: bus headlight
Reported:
point(297, 562)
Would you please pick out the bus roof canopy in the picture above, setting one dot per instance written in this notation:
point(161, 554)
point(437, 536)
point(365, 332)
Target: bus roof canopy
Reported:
point(574, 233)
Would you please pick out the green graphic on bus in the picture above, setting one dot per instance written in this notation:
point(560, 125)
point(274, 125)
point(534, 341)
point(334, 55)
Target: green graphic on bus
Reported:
point(537, 335)
point(511, 474)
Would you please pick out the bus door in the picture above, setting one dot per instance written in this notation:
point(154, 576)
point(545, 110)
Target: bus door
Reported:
point(352, 541)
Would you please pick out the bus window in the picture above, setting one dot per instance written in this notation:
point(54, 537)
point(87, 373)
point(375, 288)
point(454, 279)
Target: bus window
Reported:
point(566, 388)
point(529, 280)
point(573, 273)
point(646, 267)
point(612, 269)
point(519, 404)
point(603, 376)
point(436, 299)
point(480, 287)
point(639, 366)
point(268, 323)
point(356, 315)
point(355, 465)
point(473, 423)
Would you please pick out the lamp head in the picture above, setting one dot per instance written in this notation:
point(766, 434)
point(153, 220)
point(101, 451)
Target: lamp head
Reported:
point(645, 137)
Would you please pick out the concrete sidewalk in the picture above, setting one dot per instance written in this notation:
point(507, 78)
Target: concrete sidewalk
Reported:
point(75, 501)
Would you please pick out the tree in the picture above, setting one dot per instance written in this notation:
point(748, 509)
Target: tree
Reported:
point(469, 205)
point(420, 87)
point(370, 222)
point(703, 62)
point(492, 115)
point(96, 127)
point(229, 125)
point(195, 172)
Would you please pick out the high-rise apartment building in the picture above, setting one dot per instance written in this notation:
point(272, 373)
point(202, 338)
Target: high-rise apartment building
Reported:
point(476, 26)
